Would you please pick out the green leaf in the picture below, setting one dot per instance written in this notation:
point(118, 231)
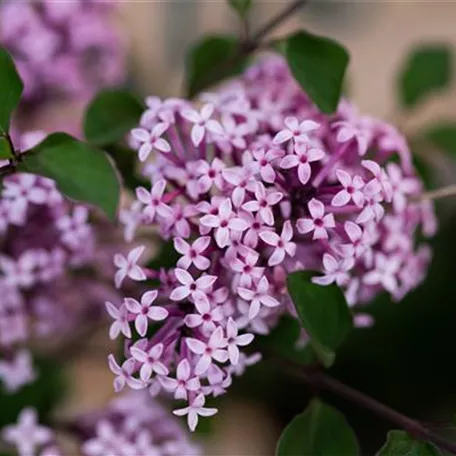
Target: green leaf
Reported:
point(282, 340)
point(400, 443)
point(241, 7)
point(443, 136)
point(427, 70)
point(318, 64)
point(44, 394)
point(211, 60)
point(10, 89)
point(81, 172)
point(320, 431)
point(323, 312)
point(110, 116)
point(5, 149)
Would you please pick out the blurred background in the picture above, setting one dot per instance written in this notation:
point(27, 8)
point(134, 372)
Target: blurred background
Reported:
point(407, 360)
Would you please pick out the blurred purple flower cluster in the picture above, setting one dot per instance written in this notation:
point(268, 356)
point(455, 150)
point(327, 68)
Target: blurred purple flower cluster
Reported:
point(69, 49)
point(251, 184)
point(44, 241)
point(134, 424)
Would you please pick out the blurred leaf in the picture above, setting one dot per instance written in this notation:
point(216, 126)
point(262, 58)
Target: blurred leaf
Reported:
point(400, 443)
point(428, 69)
point(323, 312)
point(81, 172)
point(210, 60)
point(44, 394)
point(241, 7)
point(5, 149)
point(319, 65)
point(110, 116)
point(320, 431)
point(282, 341)
point(11, 87)
point(443, 136)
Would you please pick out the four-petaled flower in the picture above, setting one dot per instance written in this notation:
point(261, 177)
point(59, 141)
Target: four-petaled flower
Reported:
point(120, 323)
point(202, 122)
point(234, 341)
point(153, 200)
point(282, 243)
point(124, 374)
point(263, 203)
point(183, 382)
point(192, 254)
point(259, 296)
point(151, 140)
point(196, 288)
point(144, 311)
point(351, 191)
point(195, 408)
point(295, 130)
point(150, 361)
point(335, 270)
point(319, 223)
point(128, 266)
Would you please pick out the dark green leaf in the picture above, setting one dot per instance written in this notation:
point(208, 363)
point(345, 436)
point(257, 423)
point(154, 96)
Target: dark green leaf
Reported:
point(283, 339)
point(241, 7)
point(443, 136)
point(320, 431)
point(44, 394)
point(110, 116)
point(323, 312)
point(5, 149)
point(427, 69)
point(318, 64)
point(10, 89)
point(81, 172)
point(211, 60)
point(399, 443)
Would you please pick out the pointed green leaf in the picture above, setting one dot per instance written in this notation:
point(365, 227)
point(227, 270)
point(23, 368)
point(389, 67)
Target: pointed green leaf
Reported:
point(10, 89)
point(5, 149)
point(320, 431)
point(400, 443)
point(110, 116)
point(82, 172)
point(241, 7)
point(210, 60)
point(319, 65)
point(428, 69)
point(323, 312)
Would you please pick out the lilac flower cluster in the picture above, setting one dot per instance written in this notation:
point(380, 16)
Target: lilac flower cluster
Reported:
point(42, 237)
point(62, 48)
point(134, 424)
point(252, 184)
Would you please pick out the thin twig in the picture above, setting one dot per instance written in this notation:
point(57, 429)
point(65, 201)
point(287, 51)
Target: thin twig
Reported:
point(322, 380)
point(443, 192)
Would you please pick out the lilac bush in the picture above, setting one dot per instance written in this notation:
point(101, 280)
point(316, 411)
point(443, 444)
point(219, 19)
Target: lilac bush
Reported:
point(250, 183)
point(66, 49)
point(46, 244)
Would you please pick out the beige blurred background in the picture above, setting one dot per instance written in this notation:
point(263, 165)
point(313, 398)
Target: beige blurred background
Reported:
point(378, 34)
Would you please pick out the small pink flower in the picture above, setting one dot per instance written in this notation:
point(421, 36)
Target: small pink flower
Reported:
point(257, 297)
point(183, 382)
point(351, 191)
point(246, 267)
point(319, 223)
point(335, 271)
point(120, 324)
point(385, 272)
point(144, 311)
point(348, 131)
point(264, 159)
point(202, 123)
point(214, 349)
point(223, 222)
point(124, 374)
point(193, 254)
point(263, 203)
point(234, 341)
point(153, 200)
point(128, 266)
point(303, 156)
point(195, 409)
point(151, 140)
point(295, 130)
point(150, 361)
point(210, 174)
point(242, 179)
point(282, 243)
point(206, 317)
point(196, 288)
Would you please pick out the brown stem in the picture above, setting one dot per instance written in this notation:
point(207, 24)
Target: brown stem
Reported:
point(322, 380)
point(443, 192)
